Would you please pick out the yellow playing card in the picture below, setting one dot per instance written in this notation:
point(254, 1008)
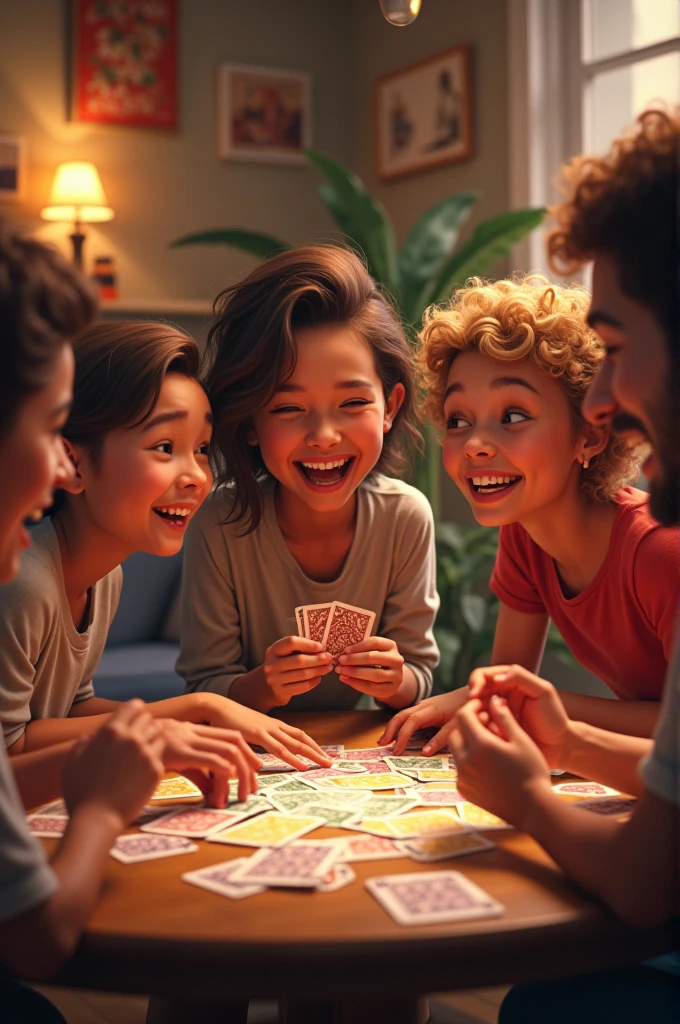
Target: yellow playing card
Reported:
point(426, 823)
point(435, 775)
point(442, 847)
point(172, 789)
point(477, 816)
point(375, 827)
point(382, 780)
point(269, 829)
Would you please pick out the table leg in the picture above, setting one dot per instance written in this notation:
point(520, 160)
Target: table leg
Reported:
point(373, 1010)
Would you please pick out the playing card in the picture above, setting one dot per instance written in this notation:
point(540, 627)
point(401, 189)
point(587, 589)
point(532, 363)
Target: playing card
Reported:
point(194, 823)
point(420, 737)
point(367, 754)
point(435, 775)
point(47, 826)
point(55, 809)
point(432, 898)
point(412, 765)
point(267, 781)
point(300, 620)
point(346, 625)
point(175, 788)
point(337, 817)
point(608, 805)
point(385, 780)
point(289, 803)
point(271, 829)
point(476, 816)
point(375, 827)
point(585, 789)
point(301, 865)
point(311, 778)
point(272, 763)
point(150, 812)
point(293, 785)
point(135, 848)
point(217, 878)
point(337, 878)
point(368, 847)
point(432, 796)
point(443, 847)
point(315, 618)
point(333, 749)
point(255, 804)
point(376, 767)
point(435, 821)
point(383, 806)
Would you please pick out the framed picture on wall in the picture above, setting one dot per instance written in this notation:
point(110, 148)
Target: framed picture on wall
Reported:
point(264, 114)
point(423, 114)
point(12, 167)
point(125, 63)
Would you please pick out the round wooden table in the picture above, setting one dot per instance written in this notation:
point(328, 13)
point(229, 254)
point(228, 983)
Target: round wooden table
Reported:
point(339, 956)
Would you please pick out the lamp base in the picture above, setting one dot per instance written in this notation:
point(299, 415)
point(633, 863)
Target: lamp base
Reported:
point(78, 238)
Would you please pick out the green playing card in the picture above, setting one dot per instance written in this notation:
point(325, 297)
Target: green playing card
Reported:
point(386, 806)
point(289, 786)
point(337, 816)
point(415, 764)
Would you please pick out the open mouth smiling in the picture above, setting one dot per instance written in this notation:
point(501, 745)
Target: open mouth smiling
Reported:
point(492, 483)
point(174, 515)
point(325, 472)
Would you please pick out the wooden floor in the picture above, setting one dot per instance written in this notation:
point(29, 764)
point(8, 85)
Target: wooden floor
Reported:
point(81, 1007)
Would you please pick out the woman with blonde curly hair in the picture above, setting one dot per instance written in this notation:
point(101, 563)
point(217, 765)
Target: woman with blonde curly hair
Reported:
point(507, 366)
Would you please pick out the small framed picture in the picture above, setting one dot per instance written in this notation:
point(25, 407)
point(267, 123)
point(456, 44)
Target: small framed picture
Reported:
point(423, 114)
point(125, 63)
point(264, 114)
point(12, 167)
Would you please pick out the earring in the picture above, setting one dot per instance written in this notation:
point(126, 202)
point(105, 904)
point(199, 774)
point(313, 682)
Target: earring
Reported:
point(586, 462)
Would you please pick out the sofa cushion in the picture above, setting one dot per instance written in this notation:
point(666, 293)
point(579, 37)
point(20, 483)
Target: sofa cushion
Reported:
point(149, 586)
point(139, 670)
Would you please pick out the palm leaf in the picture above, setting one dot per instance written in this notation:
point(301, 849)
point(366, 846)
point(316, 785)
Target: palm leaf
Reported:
point(360, 217)
point(254, 242)
point(430, 241)
point(489, 241)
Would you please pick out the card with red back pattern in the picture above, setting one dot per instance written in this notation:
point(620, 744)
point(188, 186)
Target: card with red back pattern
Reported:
point(346, 625)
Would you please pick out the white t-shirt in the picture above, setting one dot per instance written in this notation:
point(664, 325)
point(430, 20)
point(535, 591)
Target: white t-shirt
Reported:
point(26, 879)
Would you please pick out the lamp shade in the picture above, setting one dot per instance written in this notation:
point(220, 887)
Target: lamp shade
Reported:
point(77, 194)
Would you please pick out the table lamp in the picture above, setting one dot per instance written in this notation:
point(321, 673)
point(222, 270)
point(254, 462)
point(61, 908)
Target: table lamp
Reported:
point(77, 195)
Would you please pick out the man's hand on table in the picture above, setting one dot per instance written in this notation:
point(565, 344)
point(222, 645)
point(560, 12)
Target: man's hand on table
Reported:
point(499, 766)
point(433, 711)
point(210, 757)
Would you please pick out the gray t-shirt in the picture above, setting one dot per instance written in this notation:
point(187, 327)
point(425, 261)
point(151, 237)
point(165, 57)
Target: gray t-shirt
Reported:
point(46, 665)
point(26, 879)
point(660, 771)
point(240, 592)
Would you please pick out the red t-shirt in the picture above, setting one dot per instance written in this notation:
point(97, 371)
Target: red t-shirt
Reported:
point(621, 626)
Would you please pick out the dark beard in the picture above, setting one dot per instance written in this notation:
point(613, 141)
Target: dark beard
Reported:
point(664, 490)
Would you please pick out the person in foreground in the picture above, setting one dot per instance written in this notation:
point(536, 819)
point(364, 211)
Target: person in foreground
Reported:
point(137, 437)
point(619, 213)
point(107, 776)
point(507, 367)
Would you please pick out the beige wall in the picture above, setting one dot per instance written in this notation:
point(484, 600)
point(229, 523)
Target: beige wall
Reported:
point(162, 185)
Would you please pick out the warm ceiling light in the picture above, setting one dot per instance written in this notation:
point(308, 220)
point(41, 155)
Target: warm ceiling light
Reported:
point(400, 12)
point(77, 196)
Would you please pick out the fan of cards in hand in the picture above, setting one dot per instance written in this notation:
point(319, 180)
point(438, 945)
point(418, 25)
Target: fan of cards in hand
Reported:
point(336, 625)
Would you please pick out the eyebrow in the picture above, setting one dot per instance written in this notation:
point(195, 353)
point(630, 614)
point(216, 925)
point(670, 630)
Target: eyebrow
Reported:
point(598, 316)
point(61, 409)
point(169, 417)
point(497, 382)
point(345, 385)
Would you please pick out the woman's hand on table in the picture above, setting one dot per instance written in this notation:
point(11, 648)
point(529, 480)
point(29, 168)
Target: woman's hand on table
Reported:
point(534, 703)
point(279, 738)
point(501, 770)
point(374, 667)
point(434, 712)
point(210, 757)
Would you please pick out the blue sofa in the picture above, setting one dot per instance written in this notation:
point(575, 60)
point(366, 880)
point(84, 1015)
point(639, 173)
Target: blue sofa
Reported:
point(143, 644)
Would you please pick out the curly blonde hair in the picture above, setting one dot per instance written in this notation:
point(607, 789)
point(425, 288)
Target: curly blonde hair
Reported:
point(624, 205)
point(525, 318)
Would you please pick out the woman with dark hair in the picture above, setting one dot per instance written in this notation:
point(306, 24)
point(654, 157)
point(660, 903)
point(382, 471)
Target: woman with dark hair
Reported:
point(137, 438)
point(312, 389)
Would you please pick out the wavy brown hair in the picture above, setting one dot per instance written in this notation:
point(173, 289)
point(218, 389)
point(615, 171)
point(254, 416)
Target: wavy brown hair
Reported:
point(44, 303)
point(526, 318)
point(252, 351)
point(624, 205)
point(120, 369)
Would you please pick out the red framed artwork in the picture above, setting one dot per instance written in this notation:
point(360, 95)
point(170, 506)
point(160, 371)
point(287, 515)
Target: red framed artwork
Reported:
point(125, 62)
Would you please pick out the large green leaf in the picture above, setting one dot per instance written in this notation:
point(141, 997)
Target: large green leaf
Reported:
point(337, 211)
point(254, 242)
point(489, 241)
point(363, 219)
point(431, 239)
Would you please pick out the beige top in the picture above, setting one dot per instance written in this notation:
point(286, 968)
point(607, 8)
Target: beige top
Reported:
point(240, 592)
point(46, 665)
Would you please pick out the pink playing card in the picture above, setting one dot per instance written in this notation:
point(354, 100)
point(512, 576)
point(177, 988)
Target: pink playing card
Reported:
point(346, 625)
